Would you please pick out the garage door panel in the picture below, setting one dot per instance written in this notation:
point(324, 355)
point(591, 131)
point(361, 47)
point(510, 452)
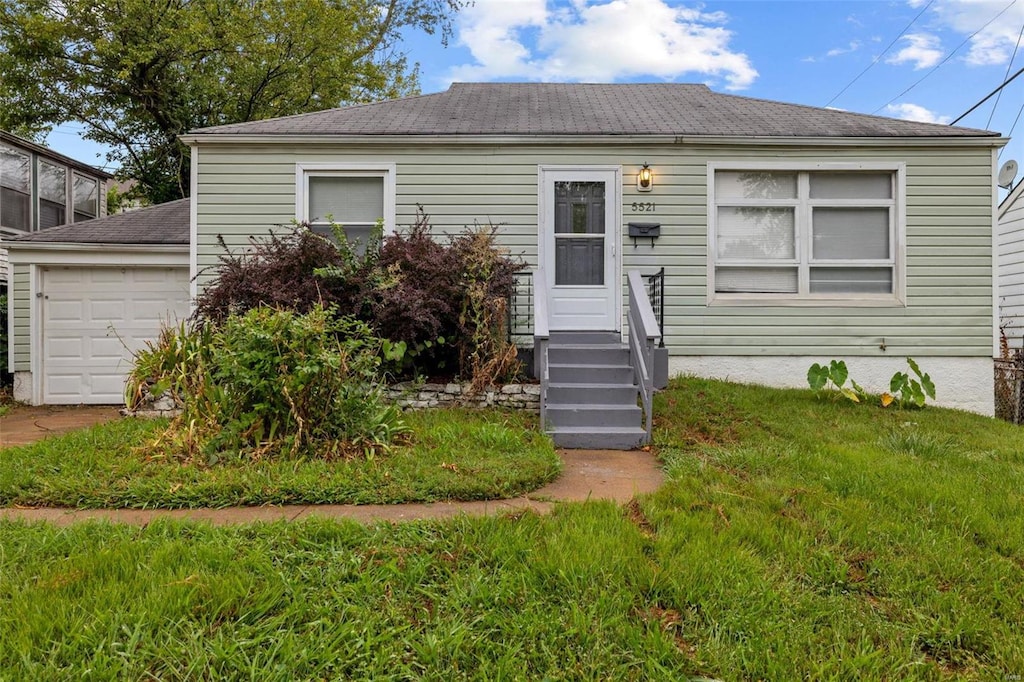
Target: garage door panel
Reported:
point(106, 311)
point(93, 320)
point(68, 386)
point(115, 276)
point(66, 276)
point(66, 311)
point(108, 349)
point(71, 349)
point(105, 384)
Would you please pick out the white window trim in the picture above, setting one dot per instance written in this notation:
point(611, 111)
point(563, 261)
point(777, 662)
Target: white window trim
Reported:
point(897, 298)
point(305, 170)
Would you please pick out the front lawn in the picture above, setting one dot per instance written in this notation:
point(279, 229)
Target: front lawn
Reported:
point(795, 539)
point(454, 455)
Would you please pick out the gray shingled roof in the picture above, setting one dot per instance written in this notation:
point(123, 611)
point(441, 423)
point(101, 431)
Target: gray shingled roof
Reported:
point(161, 224)
point(588, 109)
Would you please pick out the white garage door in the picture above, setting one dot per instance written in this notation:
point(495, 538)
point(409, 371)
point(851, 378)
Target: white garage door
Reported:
point(94, 318)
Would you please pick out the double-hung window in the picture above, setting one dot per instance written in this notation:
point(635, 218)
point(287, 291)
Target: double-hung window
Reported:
point(831, 231)
point(355, 197)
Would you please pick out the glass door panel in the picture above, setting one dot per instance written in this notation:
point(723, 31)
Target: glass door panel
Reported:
point(579, 233)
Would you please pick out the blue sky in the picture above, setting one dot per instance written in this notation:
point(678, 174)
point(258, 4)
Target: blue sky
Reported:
point(928, 60)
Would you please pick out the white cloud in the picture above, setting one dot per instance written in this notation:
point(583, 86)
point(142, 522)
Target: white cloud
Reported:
point(923, 51)
point(915, 112)
point(836, 51)
point(597, 40)
point(994, 43)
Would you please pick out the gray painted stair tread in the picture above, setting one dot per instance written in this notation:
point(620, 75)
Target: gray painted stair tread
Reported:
point(589, 346)
point(589, 365)
point(592, 384)
point(593, 406)
point(604, 437)
point(597, 429)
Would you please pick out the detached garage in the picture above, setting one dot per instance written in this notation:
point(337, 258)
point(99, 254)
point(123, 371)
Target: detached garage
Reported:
point(85, 296)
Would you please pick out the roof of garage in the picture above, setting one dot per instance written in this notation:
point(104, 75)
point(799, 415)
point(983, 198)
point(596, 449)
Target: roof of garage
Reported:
point(161, 224)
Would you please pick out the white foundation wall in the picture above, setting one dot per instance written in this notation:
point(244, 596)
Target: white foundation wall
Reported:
point(960, 383)
point(23, 387)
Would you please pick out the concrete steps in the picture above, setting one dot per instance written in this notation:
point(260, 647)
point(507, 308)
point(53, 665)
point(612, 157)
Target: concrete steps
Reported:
point(591, 400)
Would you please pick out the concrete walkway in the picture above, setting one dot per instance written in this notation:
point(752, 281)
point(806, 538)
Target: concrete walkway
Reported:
point(614, 475)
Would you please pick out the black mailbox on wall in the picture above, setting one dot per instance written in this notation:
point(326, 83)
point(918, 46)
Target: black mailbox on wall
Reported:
point(644, 231)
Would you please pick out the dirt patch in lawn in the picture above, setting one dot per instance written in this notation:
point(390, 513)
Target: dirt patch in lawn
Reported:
point(25, 424)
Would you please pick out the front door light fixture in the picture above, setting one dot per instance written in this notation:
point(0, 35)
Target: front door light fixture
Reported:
point(645, 179)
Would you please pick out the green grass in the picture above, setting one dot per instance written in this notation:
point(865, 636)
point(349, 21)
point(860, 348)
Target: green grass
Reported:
point(828, 539)
point(795, 539)
point(454, 455)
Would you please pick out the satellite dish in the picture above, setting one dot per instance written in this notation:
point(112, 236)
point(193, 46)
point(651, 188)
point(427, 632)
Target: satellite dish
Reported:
point(1007, 173)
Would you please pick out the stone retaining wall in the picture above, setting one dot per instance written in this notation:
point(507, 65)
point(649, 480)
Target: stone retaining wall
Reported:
point(409, 395)
point(419, 396)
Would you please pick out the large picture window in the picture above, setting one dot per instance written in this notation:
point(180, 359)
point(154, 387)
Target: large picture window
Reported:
point(353, 197)
point(820, 233)
point(15, 189)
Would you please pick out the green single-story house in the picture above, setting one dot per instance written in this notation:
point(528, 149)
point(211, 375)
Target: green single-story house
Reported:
point(788, 234)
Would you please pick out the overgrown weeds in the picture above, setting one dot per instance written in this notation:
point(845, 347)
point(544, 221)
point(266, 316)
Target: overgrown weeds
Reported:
point(270, 382)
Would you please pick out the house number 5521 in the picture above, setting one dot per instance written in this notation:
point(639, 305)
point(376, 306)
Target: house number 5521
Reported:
point(642, 206)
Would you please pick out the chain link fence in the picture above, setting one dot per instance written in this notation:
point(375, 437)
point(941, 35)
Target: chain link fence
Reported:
point(1009, 387)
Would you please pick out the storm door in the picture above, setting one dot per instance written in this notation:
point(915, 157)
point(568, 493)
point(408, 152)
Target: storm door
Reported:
point(579, 232)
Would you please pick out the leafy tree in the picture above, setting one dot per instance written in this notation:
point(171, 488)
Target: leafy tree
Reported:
point(139, 73)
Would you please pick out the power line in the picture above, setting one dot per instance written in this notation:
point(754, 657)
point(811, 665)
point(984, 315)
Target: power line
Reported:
point(1009, 65)
point(881, 54)
point(1010, 134)
point(947, 58)
point(989, 95)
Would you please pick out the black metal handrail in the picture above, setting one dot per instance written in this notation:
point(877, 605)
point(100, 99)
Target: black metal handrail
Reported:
point(656, 292)
point(520, 305)
point(520, 308)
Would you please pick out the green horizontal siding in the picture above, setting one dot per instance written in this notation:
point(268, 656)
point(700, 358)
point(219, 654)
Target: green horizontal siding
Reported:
point(19, 307)
point(246, 190)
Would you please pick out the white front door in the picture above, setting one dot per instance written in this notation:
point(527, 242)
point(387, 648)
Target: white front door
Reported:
point(579, 239)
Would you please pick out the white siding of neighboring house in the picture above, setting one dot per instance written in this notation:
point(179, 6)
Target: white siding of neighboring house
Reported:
point(246, 190)
point(1011, 266)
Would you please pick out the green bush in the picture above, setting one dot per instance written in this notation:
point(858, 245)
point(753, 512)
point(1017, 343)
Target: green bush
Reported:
point(272, 382)
point(443, 302)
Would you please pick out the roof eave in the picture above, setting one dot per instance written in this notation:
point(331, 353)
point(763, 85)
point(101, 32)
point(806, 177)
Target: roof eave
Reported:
point(993, 140)
point(94, 246)
point(56, 156)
